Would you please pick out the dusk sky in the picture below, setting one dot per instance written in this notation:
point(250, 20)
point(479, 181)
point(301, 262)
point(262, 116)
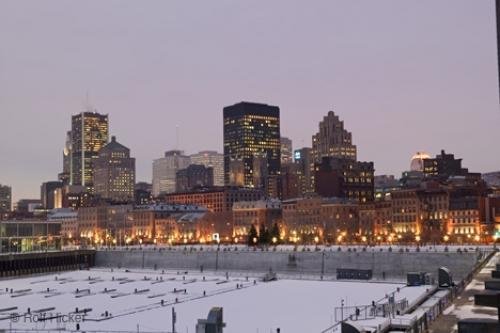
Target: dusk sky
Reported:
point(403, 75)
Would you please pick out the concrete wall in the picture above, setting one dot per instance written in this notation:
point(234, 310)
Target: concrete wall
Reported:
point(391, 265)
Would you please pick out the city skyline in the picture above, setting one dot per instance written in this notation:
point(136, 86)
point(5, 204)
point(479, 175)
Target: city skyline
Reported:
point(424, 84)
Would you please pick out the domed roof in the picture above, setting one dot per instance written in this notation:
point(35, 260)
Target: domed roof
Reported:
point(417, 161)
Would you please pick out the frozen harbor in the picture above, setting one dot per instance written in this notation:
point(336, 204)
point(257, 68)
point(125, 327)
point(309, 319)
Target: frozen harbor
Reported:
point(121, 300)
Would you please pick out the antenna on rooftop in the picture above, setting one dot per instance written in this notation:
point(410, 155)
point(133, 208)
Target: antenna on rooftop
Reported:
point(88, 106)
point(176, 137)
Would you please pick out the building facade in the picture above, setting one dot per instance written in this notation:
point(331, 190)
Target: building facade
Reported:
point(305, 168)
point(257, 213)
point(103, 224)
point(345, 178)
point(217, 199)
point(65, 175)
point(5, 199)
point(143, 193)
point(290, 181)
point(68, 218)
point(194, 176)
point(165, 170)
point(332, 140)
point(444, 166)
point(29, 235)
point(114, 173)
point(250, 130)
point(48, 193)
point(211, 159)
point(286, 150)
point(89, 133)
point(164, 223)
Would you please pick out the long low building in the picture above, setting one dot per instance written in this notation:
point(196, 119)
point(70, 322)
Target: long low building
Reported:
point(29, 235)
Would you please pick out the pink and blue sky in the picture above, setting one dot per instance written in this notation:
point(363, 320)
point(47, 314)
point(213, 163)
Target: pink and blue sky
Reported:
point(404, 76)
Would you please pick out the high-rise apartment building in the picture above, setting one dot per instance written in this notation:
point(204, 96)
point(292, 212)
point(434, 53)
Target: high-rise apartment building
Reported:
point(5, 198)
point(89, 133)
point(286, 150)
point(211, 159)
point(332, 140)
point(251, 130)
point(165, 170)
point(114, 173)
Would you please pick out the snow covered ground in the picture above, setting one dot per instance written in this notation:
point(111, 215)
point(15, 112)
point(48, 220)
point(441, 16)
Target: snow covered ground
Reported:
point(132, 300)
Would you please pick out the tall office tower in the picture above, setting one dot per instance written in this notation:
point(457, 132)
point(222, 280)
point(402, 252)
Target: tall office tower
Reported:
point(332, 140)
point(251, 130)
point(286, 150)
point(89, 133)
point(211, 159)
point(64, 176)
point(303, 160)
point(165, 170)
point(5, 198)
point(48, 193)
point(114, 173)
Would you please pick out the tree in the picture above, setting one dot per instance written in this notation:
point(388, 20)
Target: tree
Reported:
point(252, 233)
point(263, 234)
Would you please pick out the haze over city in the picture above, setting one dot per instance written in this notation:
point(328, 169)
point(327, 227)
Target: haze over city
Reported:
point(403, 76)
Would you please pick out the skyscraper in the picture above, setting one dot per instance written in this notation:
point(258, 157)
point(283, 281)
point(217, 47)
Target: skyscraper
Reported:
point(286, 150)
point(114, 173)
point(303, 159)
point(251, 130)
point(48, 193)
point(332, 140)
point(165, 169)
point(211, 159)
point(5, 198)
point(89, 133)
point(65, 175)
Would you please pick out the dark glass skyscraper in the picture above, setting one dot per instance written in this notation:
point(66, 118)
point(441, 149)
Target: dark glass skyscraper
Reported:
point(252, 131)
point(89, 133)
